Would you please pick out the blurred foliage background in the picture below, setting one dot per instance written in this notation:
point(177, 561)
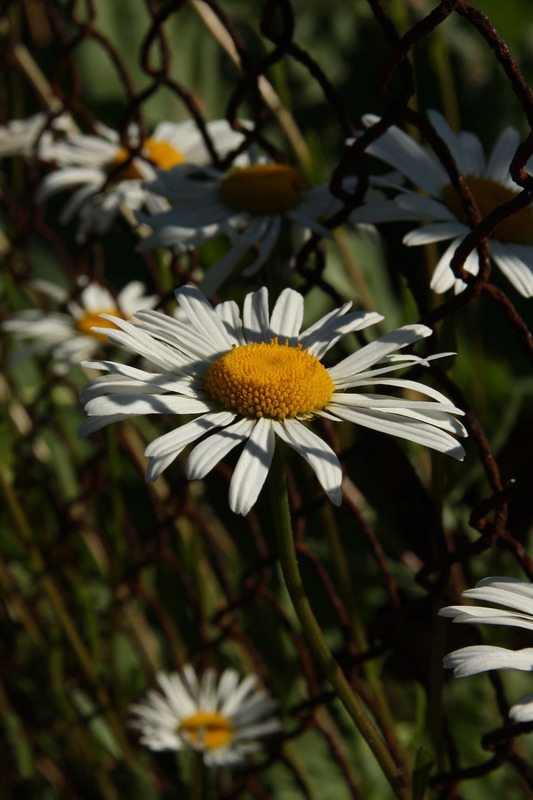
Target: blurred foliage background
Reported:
point(107, 579)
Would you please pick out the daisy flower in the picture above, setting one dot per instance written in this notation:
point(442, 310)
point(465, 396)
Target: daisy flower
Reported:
point(21, 137)
point(70, 337)
point(106, 177)
point(222, 719)
point(516, 597)
point(510, 243)
point(248, 205)
point(254, 379)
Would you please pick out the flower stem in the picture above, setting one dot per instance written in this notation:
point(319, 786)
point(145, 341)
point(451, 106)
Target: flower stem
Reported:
point(315, 638)
point(198, 778)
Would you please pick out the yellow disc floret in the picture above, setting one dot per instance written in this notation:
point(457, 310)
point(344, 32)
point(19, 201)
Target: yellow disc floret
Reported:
point(92, 319)
point(207, 729)
point(488, 195)
point(264, 188)
point(159, 154)
point(269, 380)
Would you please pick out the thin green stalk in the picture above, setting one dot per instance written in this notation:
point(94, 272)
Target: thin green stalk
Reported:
point(342, 577)
point(197, 778)
point(70, 630)
point(352, 269)
point(12, 594)
point(289, 567)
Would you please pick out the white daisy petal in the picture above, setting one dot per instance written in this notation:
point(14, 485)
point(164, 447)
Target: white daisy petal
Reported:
point(252, 467)
point(492, 616)
point(287, 316)
point(438, 232)
point(230, 315)
point(443, 276)
point(256, 316)
point(511, 593)
point(502, 154)
point(317, 453)
point(425, 207)
point(154, 404)
point(522, 710)
point(396, 425)
point(376, 351)
point(482, 658)
point(209, 452)
point(473, 157)
point(177, 439)
point(516, 263)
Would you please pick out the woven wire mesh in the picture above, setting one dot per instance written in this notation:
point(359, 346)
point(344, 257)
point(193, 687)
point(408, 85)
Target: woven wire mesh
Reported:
point(167, 575)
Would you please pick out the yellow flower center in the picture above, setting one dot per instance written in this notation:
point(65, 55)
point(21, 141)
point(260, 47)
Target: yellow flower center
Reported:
point(488, 195)
point(92, 319)
point(207, 729)
point(269, 380)
point(264, 188)
point(159, 154)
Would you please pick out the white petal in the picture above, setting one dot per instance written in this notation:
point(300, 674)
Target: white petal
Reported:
point(425, 208)
point(491, 616)
point(228, 682)
point(96, 423)
point(230, 315)
point(239, 694)
point(177, 439)
point(448, 136)
point(502, 154)
point(522, 710)
point(252, 467)
point(201, 315)
point(287, 316)
point(317, 453)
point(516, 586)
point(65, 179)
point(130, 405)
point(481, 658)
point(516, 263)
point(209, 452)
point(404, 428)
point(514, 596)
point(443, 277)
point(438, 232)
point(472, 154)
point(404, 154)
point(325, 333)
point(256, 317)
point(376, 351)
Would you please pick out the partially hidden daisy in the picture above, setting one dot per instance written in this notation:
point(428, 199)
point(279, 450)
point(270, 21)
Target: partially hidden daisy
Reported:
point(515, 597)
point(510, 243)
point(106, 175)
point(246, 204)
point(224, 718)
point(69, 336)
point(253, 379)
point(23, 137)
